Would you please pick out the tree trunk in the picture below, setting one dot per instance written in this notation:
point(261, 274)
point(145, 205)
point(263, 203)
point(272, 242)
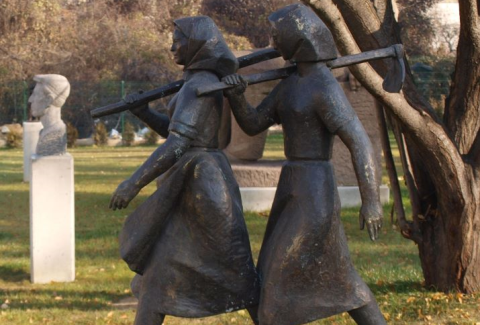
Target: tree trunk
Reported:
point(442, 178)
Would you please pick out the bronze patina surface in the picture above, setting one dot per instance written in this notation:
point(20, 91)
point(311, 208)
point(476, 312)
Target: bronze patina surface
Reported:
point(304, 265)
point(188, 242)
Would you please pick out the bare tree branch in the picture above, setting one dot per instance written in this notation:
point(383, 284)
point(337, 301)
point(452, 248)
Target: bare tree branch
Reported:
point(407, 229)
point(461, 107)
point(474, 155)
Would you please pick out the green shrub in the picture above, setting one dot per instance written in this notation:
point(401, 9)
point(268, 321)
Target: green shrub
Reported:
point(72, 135)
point(128, 135)
point(14, 139)
point(151, 137)
point(100, 136)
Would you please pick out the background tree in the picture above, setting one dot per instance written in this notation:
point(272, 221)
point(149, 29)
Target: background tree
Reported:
point(247, 18)
point(100, 136)
point(440, 158)
point(416, 26)
point(128, 135)
point(97, 44)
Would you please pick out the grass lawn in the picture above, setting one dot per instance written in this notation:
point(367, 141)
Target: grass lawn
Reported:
point(390, 266)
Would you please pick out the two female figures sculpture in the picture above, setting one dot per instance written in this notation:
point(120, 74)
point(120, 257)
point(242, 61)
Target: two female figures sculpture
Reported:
point(188, 242)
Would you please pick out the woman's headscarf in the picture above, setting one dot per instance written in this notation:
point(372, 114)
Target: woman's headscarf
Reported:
point(301, 35)
point(207, 49)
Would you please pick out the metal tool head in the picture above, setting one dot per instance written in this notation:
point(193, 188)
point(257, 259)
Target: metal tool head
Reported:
point(395, 77)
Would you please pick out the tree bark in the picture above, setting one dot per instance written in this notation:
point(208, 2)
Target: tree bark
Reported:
point(445, 180)
point(461, 111)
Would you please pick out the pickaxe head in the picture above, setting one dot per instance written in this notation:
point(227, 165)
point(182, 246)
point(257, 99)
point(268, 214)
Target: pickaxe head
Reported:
point(395, 77)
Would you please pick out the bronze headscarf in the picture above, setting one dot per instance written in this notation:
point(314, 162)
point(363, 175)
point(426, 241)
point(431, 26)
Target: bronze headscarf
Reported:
point(207, 49)
point(301, 35)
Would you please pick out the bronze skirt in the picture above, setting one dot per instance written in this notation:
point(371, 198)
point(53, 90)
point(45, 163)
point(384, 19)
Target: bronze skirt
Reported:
point(190, 242)
point(304, 265)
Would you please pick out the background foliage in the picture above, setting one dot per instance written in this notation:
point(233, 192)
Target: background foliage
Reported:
point(97, 44)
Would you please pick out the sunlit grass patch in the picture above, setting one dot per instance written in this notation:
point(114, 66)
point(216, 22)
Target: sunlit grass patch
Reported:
point(389, 266)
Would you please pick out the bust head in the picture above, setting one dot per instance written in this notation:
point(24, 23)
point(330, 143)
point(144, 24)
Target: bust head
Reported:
point(47, 98)
point(51, 91)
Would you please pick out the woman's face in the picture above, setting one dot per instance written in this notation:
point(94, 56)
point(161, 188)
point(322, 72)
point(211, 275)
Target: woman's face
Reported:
point(39, 100)
point(179, 47)
point(275, 42)
point(273, 38)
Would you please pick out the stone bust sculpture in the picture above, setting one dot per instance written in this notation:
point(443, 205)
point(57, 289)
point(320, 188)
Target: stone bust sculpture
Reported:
point(47, 99)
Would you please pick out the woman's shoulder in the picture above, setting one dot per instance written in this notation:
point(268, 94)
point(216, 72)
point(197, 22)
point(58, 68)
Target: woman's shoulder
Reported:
point(201, 77)
point(195, 80)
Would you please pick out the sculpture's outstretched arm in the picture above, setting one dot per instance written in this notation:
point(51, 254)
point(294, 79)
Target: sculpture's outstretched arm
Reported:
point(159, 162)
point(251, 120)
point(157, 121)
point(189, 117)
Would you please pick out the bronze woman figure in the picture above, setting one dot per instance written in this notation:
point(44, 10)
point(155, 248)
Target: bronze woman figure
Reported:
point(188, 242)
point(304, 265)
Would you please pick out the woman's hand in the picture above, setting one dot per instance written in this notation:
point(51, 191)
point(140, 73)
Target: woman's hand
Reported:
point(372, 215)
point(124, 193)
point(133, 98)
point(239, 84)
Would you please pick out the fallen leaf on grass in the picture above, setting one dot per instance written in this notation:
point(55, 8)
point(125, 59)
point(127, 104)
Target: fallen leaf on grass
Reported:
point(387, 316)
point(439, 296)
point(459, 298)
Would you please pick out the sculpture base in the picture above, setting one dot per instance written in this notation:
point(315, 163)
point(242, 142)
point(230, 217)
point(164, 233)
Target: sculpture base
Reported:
point(260, 173)
point(261, 198)
point(52, 219)
point(258, 183)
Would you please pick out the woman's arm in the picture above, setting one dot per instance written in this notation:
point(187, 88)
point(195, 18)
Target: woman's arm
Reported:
point(157, 121)
point(251, 120)
point(189, 117)
point(356, 139)
point(339, 117)
point(158, 163)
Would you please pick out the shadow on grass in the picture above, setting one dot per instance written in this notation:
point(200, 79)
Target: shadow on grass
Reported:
point(44, 299)
point(13, 274)
point(396, 286)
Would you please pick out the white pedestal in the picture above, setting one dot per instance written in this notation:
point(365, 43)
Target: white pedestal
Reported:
point(31, 133)
point(261, 198)
point(52, 219)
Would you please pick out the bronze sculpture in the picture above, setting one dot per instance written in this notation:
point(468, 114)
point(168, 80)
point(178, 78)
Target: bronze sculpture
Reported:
point(304, 263)
point(188, 242)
